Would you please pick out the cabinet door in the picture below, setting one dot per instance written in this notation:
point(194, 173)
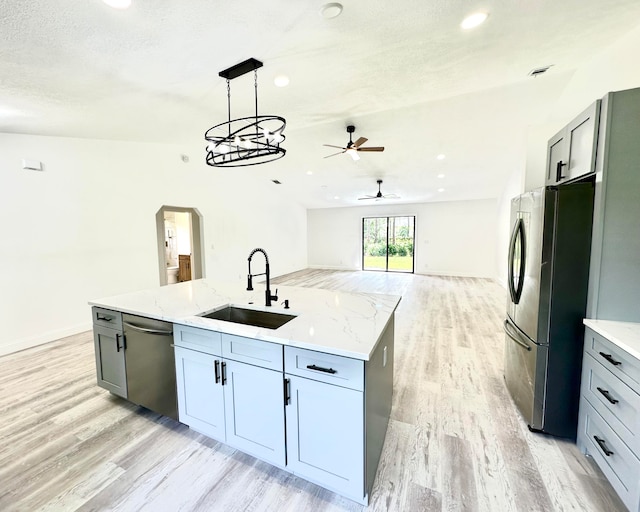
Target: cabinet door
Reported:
point(110, 364)
point(556, 158)
point(200, 397)
point(325, 435)
point(254, 410)
point(582, 138)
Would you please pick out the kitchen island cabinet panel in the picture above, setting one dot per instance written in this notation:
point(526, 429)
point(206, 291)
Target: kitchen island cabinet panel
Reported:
point(254, 411)
point(256, 352)
point(110, 360)
point(325, 435)
point(200, 398)
point(329, 368)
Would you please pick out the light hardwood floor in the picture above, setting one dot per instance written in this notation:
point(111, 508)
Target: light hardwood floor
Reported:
point(455, 440)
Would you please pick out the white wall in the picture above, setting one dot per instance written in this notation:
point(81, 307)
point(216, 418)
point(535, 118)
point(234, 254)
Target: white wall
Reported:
point(453, 238)
point(84, 227)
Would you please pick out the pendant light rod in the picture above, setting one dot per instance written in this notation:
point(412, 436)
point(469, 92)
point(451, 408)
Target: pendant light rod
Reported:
point(240, 69)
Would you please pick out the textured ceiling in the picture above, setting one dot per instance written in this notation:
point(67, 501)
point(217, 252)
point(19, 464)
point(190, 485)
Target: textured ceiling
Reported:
point(404, 73)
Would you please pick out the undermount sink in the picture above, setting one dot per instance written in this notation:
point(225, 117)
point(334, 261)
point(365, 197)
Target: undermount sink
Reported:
point(252, 317)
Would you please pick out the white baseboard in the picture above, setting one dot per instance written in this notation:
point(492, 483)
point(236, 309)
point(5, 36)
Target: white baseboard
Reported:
point(41, 339)
point(332, 267)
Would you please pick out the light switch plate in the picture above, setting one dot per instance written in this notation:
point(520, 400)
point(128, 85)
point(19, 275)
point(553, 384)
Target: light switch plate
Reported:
point(31, 165)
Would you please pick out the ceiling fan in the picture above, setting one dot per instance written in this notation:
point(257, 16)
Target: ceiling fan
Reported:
point(352, 148)
point(379, 195)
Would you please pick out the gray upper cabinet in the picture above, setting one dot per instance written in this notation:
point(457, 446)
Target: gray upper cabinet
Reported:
point(614, 277)
point(571, 153)
point(108, 339)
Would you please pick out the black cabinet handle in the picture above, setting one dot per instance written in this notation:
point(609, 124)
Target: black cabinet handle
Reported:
point(224, 372)
point(216, 369)
point(321, 369)
point(559, 167)
point(603, 446)
point(118, 347)
point(287, 392)
point(105, 318)
point(605, 393)
point(610, 359)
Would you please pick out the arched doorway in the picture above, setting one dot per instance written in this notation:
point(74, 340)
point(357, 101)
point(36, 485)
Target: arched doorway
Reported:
point(180, 244)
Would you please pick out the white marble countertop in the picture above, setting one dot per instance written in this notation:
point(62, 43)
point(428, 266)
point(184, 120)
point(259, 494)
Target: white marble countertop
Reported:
point(340, 323)
point(624, 334)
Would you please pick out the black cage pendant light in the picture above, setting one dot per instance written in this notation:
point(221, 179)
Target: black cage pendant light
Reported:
point(247, 140)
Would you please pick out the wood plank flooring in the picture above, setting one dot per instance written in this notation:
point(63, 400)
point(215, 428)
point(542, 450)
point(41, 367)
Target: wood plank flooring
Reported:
point(455, 440)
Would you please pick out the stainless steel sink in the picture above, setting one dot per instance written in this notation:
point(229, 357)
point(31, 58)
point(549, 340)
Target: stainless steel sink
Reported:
point(253, 317)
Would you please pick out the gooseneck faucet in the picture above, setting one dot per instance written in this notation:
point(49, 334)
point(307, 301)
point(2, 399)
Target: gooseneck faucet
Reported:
point(250, 276)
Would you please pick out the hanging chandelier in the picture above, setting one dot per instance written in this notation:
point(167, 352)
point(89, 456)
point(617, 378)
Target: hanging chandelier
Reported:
point(247, 140)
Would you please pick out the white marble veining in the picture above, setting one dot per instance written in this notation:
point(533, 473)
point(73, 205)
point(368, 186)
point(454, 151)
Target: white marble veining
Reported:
point(340, 323)
point(624, 334)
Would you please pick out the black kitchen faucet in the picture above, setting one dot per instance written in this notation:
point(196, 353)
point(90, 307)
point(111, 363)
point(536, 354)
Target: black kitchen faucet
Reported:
point(267, 293)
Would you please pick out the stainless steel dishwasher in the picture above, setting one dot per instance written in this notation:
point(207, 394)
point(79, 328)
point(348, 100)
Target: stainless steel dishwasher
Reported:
point(150, 364)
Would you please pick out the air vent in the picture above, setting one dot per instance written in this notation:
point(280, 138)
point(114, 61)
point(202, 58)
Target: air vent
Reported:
point(539, 71)
point(276, 182)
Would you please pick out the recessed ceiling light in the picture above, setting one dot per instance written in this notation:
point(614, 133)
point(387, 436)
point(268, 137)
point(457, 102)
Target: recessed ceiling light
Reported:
point(440, 157)
point(331, 10)
point(440, 190)
point(281, 81)
point(336, 197)
point(441, 175)
point(474, 20)
point(118, 4)
point(309, 173)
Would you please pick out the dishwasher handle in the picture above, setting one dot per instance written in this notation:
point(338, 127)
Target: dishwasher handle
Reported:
point(147, 330)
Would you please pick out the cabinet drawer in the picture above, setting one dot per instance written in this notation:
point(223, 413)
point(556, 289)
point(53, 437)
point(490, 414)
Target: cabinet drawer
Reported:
point(247, 350)
point(621, 466)
point(612, 357)
point(107, 318)
point(338, 370)
point(201, 340)
point(616, 402)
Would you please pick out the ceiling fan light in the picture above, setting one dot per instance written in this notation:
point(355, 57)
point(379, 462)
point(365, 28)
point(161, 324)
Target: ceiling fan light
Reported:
point(353, 154)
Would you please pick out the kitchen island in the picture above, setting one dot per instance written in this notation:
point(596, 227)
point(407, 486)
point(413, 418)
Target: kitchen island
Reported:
point(312, 396)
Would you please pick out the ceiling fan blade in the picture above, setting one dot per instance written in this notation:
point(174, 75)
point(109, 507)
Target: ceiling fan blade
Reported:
point(334, 154)
point(332, 146)
point(373, 148)
point(391, 196)
point(359, 142)
point(366, 197)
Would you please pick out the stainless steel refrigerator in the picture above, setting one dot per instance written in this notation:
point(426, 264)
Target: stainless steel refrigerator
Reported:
point(548, 273)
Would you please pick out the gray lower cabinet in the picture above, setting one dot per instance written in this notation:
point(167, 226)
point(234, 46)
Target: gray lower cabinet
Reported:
point(108, 339)
point(609, 421)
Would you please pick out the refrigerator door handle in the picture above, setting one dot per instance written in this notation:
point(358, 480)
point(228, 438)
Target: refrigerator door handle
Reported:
point(514, 336)
point(517, 237)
